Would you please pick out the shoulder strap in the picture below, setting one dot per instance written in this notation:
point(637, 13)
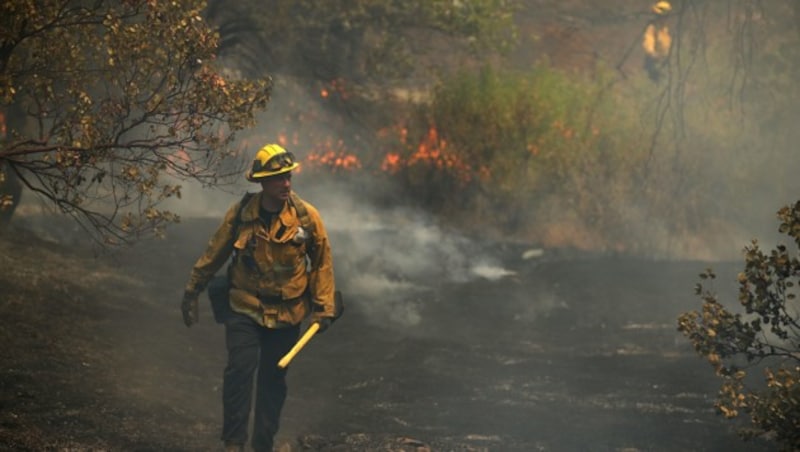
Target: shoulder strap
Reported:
point(237, 220)
point(302, 212)
point(305, 220)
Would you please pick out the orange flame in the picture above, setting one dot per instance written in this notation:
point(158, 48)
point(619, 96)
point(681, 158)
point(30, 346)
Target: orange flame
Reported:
point(333, 157)
point(334, 160)
point(335, 86)
point(432, 150)
point(285, 140)
point(391, 163)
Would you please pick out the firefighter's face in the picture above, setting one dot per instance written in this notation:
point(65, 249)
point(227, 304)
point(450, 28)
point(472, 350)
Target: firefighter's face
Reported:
point(277, 187)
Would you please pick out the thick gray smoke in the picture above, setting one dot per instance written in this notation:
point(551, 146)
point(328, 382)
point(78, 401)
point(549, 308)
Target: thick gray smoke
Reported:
point(396, 257)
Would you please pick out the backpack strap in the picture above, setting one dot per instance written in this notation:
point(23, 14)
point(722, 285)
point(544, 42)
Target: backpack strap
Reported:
point(237, 220)
point(305, 219)
point(302, 210)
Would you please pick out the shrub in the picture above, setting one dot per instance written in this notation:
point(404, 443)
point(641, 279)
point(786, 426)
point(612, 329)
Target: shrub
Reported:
point(534, 144)
point(764, 336)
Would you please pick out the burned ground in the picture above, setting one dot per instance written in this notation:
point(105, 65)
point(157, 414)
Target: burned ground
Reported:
point(562, 351)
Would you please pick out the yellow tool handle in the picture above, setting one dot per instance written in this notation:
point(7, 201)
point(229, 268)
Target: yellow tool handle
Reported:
point(310, 332)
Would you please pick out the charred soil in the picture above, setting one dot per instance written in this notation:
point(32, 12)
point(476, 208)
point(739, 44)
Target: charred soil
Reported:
point(565, 352)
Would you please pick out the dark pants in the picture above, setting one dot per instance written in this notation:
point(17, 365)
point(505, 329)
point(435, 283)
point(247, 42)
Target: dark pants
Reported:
point(250, 347)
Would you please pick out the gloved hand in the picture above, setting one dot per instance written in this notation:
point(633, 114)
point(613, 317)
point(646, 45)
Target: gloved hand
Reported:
point(324, 323)
point(190, 307)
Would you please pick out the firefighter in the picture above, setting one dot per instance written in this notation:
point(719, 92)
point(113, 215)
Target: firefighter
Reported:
point(657, 40)
point(281, 273)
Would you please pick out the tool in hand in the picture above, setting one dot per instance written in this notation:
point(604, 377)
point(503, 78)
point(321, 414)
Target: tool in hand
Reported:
point(310, 332)
point(338, 309)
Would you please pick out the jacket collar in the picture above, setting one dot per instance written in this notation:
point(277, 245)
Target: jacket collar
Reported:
point(250, 211)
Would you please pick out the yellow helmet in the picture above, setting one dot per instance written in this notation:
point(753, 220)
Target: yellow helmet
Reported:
point(662, 8)
point(271, 160)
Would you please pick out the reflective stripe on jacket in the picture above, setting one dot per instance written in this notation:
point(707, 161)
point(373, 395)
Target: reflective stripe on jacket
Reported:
point(277, 277)
point(656, 40)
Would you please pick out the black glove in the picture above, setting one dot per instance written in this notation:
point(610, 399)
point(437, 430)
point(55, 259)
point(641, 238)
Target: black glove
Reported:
point(324, 323)
point(190, 307)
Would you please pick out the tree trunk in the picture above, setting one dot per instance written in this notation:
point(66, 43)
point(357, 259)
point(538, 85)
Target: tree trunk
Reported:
point(10, 185)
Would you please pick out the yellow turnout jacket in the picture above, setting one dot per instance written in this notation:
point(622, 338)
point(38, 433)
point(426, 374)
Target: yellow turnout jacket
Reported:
point(280, 272)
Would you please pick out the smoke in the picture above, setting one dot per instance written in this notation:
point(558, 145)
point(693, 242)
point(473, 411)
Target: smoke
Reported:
point(392, 260)
point(203, 202)
point(388, 260)
point(534, 307)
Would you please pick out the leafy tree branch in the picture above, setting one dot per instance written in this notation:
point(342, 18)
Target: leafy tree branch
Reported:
point(764, 336)
point(110, 106)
